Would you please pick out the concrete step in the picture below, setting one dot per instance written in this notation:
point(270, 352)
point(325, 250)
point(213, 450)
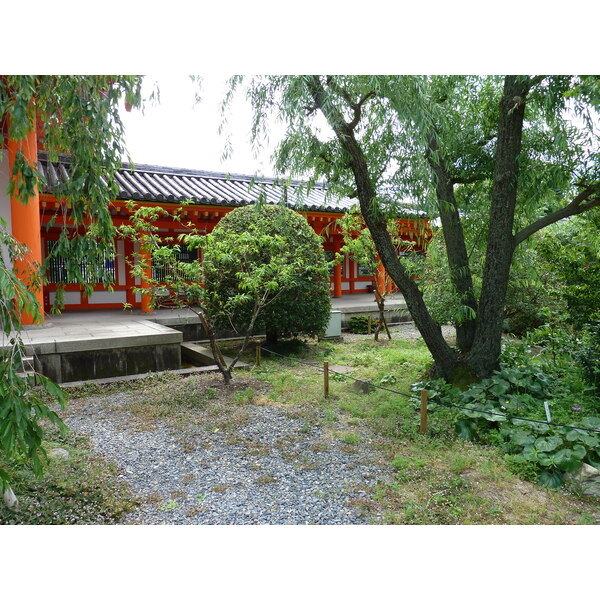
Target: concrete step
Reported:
point(203, 356)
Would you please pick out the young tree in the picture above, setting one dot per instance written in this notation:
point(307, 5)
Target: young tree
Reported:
point(263, 268)
point(359, 244)
point(502, 148)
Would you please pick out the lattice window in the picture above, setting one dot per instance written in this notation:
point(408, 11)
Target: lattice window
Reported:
point(99, 269)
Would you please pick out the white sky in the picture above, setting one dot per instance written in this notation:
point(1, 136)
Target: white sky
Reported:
point(178, 132)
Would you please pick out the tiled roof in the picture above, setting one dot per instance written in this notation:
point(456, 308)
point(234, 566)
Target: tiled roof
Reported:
point(165, 184)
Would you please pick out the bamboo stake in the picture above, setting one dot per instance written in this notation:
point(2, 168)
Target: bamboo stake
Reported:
point(326, 378)
point(257, 360)
point(423, 426)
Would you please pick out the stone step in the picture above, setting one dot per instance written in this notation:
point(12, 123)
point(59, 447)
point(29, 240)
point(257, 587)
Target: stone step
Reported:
point(27, 367)
point(203, 356)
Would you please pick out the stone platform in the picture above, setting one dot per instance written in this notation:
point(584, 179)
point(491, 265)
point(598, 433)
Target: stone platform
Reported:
point(364, 304)
point(101, 346)
point(96, 344)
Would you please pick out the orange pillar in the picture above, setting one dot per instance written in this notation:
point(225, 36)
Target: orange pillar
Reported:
point(129, 280)
point(26, 227)
point(337, 273)
point(146, 257)
point(390, 286)
point(381, 278)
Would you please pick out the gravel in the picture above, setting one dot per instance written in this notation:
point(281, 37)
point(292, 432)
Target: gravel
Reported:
point(275, 469)
point(402, 331)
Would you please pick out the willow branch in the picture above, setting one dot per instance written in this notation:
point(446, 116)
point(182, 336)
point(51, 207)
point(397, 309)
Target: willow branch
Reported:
point(580, 204)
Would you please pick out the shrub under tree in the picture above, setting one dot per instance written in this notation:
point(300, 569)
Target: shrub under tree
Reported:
point(271, 236)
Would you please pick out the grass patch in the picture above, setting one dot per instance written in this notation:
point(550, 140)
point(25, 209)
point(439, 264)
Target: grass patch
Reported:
point(437, 479)
point(81, 489)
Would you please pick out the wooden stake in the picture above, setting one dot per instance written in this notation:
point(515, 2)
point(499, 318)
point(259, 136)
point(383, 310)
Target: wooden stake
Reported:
point(326, 378)
point(257, 360)
point(368, 325)
point(423, 426)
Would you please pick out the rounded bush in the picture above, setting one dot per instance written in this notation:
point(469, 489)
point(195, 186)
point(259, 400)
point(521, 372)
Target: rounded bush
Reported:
point(270, 254)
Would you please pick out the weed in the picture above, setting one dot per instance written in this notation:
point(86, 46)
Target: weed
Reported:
point(318, 447)
point(586, 519)
point(220, 488)
point(82, 489)
point(461, 462)
point(265, 479)
point(330, 416)
point(170, 505)
point(351, 438)
point(243, 397)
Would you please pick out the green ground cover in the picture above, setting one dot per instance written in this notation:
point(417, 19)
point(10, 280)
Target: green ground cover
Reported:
point(438, 478)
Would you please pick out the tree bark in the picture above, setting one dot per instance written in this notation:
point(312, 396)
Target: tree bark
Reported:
point(381, 324)
point(214, 346)
point(485, 353)
point(456, 249)
point(444, 356)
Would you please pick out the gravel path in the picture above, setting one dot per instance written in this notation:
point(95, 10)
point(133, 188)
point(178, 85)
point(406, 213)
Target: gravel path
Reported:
point(403, 331)
point(276, 469)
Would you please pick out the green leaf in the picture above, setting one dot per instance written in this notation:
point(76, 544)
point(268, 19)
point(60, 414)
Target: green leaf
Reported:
point(566, 460)
point(548, 444)
point(579, 451)
point(591, 422)
point(531, 454)
point(551, 479)
point(522, 438)
point(593, 458)
point(500, 388)
point(466, 429)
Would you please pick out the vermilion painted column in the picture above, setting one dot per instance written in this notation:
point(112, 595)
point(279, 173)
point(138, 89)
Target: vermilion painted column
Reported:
point(390, 286)
point(146, 257)
point(26, 227)
point(129, 280)
point(337, 273)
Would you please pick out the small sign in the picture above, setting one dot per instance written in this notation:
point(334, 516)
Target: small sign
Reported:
point(547, 412)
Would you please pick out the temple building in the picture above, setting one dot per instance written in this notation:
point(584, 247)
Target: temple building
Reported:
point(210, 196)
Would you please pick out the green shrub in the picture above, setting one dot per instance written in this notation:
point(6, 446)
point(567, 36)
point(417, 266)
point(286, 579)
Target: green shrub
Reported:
point(360, 324)
point(275, 246)
point(489, 412)
point(589, 355)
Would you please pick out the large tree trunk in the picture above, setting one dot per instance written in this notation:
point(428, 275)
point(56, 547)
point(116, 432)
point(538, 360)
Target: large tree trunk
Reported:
point(444, 356)
point(456, 249)
point(485, 353)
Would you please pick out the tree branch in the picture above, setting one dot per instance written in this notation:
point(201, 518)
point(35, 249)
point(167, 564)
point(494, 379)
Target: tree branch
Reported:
point(472, 179)
point(580, 204)
point(355, 106)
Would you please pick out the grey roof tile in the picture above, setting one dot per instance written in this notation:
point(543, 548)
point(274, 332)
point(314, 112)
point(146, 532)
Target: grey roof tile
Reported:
point(166, 184)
